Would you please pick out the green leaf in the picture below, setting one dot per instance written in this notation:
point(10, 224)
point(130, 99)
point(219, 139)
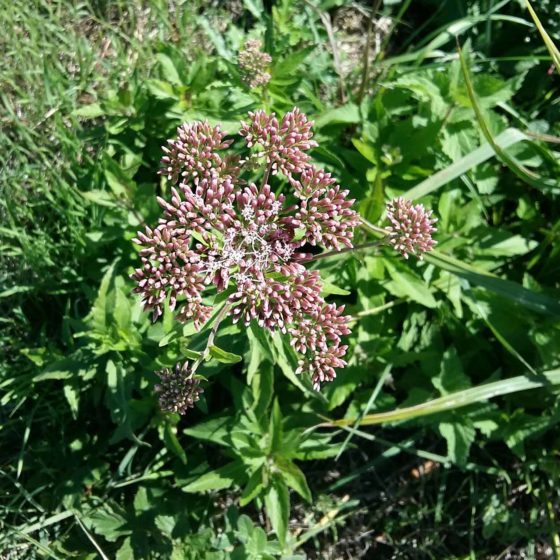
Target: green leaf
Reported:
point(102, 198)
point(288, 369)
point(253, 488)
point(347, 114)
point(330, 289)
point(275, 429)
point(294, 478)
point(366, 149)
point(460, 437)
point(451, 376)
point(406, 284)
point(91, 111)
point(218, 479)
point(73, 398)
point(277, 503)
point(172, 441)
point(287, 65)
point(169, 70)
point(216, 430)
point(223, 356)
point(541, 303)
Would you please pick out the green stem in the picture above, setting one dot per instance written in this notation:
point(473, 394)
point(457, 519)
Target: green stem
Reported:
point(345, 250)
point(210, 342)
point(366, 64)
point(266, 175)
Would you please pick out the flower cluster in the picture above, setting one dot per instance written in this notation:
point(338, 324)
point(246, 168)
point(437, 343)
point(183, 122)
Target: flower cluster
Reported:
point(178, 389)
point(253, 64)
point(411, 229)
point(219, 231)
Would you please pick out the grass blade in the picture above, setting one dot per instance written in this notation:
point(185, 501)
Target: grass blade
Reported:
point(521, 171)
point(504, 140)
point(552, 49)
point(540, 303)
point(456, 400)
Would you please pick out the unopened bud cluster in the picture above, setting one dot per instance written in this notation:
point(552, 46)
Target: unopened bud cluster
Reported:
point(178, 389)
point(411, 229)
point(254, 64)
point(219, 231)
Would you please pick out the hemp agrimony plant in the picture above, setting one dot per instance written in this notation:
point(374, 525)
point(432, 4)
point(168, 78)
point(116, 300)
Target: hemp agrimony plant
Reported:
point(221, 232)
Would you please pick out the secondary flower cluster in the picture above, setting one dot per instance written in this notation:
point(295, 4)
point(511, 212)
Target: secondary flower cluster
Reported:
point(411, 229)
point(253, 64)
point(219, 231)
point(178, 390)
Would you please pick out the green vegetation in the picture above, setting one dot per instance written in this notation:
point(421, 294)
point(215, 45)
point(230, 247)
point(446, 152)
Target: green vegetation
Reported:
point(451, 103)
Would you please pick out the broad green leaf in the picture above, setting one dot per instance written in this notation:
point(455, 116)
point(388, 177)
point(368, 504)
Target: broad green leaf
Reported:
point(407, 284)
point(169, 70)
point(275, 429)
point(253, 488)
point(541, 303)
point(102, 198)
point(218, 479)
point(347, 114)
point(459, 436)
point(514, 165)
point(287, 65)
point(277, 503)
point(538, 302)
point(330, 289)
point(288, 369)
point(215, 430)
point(91, 111)
point(294, 478)
point(451, 376)
point(223, 356)
point(366, 149)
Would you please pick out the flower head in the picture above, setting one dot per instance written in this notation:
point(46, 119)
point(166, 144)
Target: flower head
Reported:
point(218, 230)
point(253, 64)
point(283, 144)
point(411, 229)
point(194, 152)
point(178, 389)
